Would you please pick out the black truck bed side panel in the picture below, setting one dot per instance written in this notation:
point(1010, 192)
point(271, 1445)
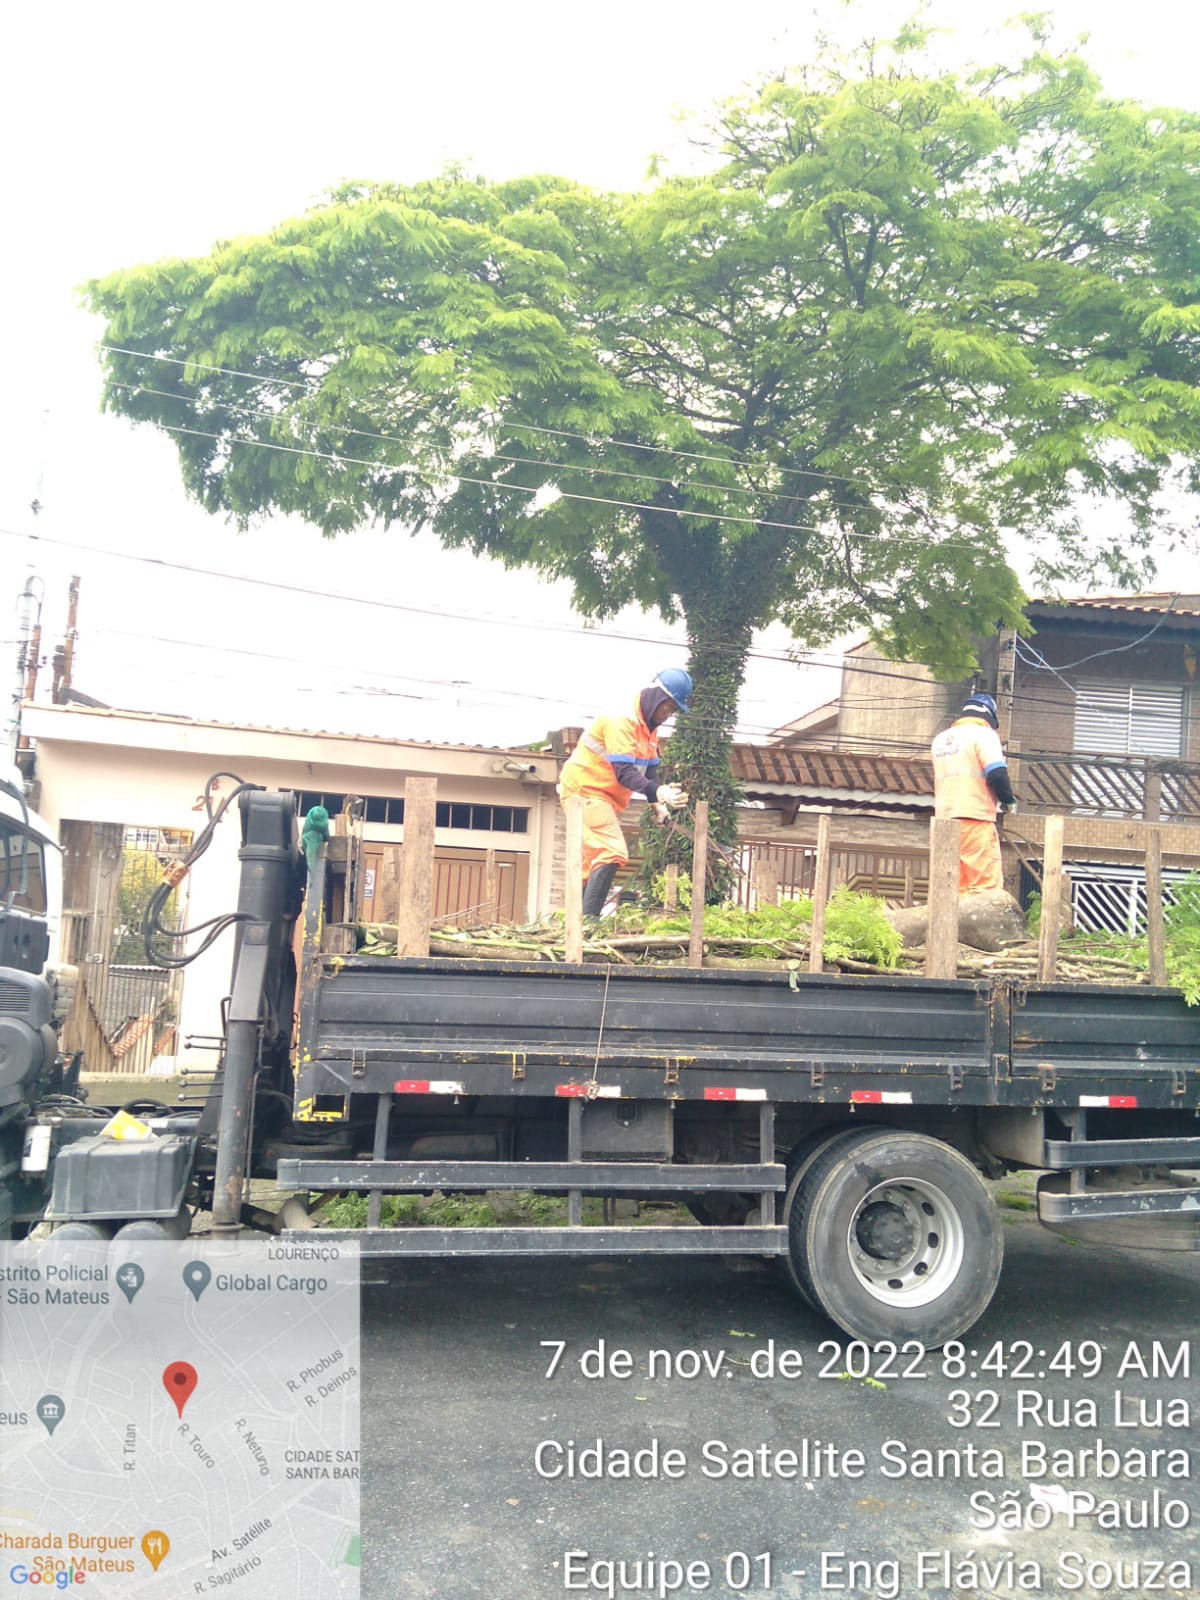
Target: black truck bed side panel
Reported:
point(410, 1019)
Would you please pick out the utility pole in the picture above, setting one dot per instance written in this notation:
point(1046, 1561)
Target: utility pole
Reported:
point(33, 661)
point(1006, 681)
point(29, 637)
point(64, 656)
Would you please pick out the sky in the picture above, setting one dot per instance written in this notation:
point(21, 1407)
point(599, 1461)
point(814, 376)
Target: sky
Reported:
point(142, 130)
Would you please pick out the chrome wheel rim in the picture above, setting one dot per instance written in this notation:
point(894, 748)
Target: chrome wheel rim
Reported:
point(905, 1242)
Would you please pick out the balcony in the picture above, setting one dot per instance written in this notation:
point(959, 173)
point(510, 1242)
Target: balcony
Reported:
point(1143, 788)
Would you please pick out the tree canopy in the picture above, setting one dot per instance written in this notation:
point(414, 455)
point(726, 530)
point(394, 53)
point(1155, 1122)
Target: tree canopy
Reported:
point(904, 319)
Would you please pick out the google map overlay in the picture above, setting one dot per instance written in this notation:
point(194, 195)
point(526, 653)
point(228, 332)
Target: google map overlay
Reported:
point(179, 1419)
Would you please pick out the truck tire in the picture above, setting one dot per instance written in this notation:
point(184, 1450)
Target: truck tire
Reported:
point(800, 1159)
point(894, 1236)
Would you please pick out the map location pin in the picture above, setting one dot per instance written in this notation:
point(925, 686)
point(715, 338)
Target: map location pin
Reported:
point(197, 1275)
point(130, 1279)
point(155, 1547)
point(51, 1411)
point(179, 1380)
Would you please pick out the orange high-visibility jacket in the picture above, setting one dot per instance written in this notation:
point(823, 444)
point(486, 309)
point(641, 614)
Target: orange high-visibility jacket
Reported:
point(963, 756)
point(617, 758)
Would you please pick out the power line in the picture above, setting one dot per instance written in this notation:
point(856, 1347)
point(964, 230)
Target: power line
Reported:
point(461, 696)
point(342, 459)
point(378, 604)
point(520, 427)
point(491, 455)
point(466, 693)
point(819, 660)
point(1035, 659)
point(490, 483)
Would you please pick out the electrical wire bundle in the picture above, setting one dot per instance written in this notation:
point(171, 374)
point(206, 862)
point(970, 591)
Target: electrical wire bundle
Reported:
point(153, 928)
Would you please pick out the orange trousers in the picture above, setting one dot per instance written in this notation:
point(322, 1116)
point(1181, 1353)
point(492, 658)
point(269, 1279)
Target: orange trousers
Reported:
point(978, 855)
point(603, 839)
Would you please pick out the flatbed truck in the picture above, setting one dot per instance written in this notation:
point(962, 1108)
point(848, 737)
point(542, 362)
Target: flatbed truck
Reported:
point(845, 1125)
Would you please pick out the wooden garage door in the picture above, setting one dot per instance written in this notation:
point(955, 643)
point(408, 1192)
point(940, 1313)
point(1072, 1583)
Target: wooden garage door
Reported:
point(459, 885)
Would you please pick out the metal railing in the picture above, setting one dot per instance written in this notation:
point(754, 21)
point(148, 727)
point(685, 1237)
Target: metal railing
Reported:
point(1144, 788)
point(899, 876)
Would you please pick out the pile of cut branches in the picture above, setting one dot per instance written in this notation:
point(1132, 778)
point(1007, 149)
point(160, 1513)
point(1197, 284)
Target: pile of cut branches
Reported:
point(1076, 963)
point(857, 937)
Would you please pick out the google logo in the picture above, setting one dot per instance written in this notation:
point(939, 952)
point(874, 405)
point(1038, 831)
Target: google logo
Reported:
point(62, 1579)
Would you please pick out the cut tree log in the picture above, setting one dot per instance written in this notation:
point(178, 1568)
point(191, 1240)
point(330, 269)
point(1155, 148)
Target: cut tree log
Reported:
point(987, 920)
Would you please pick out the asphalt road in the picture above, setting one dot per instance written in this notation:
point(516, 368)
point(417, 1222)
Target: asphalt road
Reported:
point(457, 1402)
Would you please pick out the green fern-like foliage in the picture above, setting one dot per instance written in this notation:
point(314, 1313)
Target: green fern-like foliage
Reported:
point(1183, 939)
point(856, 927)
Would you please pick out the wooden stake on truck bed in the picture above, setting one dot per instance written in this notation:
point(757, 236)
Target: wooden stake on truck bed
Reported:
point(941, 935)
point(1156, 933)
point(821, 875)
point(387, 887)
point(1052, 884)
point(699, 875)
point(573, 876)
point(416, 867)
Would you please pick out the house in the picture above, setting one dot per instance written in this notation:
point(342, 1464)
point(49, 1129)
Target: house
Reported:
point(881, 805)
point(129, 792)
point(1100, 714)
point(1105, 730)
point(812, 729)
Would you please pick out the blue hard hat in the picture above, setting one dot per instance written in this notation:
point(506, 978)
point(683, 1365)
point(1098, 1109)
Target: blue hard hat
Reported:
point(981, 705)
point(678, 685)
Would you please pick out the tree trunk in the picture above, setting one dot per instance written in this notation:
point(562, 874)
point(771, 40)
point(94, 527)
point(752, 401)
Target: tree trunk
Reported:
point(697, 754)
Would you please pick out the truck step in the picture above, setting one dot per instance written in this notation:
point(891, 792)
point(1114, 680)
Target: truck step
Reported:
point(589, 1177)
point(1061, 1154)
point(606, 1241)
point(1058, 1204)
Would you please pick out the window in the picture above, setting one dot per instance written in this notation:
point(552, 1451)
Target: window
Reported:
point(22, 869)
point(1128, 719)
point(483, 819)
point(382, 808)
point(450, 814)
point(307, 798)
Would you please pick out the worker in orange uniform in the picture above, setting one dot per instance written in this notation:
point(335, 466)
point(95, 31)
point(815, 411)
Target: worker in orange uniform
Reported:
point(970, 779)
point(616, 759)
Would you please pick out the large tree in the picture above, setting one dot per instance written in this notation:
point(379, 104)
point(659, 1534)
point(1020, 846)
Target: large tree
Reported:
point(902, 319)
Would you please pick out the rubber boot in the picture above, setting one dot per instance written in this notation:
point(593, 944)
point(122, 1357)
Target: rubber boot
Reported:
point(595, 890)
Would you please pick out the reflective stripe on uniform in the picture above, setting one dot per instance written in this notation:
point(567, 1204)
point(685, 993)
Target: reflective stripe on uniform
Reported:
point(590, 769)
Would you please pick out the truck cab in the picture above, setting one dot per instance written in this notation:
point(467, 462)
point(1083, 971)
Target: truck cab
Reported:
point(33, 992)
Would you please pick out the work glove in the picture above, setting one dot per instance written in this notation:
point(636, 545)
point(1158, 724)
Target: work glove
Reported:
point(661, 813)
point(1010, 808)
point(672, 794)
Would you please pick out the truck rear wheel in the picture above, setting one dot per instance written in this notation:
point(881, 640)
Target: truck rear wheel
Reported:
point(800, 1159)
point(894, 1236)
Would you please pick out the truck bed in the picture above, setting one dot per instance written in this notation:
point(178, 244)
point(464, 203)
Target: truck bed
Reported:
point(378, 1025)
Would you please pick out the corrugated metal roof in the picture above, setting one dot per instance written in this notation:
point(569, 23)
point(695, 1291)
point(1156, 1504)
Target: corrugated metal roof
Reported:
point(783, 765)
point(172, 719)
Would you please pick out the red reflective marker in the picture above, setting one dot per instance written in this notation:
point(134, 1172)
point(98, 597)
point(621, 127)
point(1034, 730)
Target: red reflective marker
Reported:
point(179, 1379)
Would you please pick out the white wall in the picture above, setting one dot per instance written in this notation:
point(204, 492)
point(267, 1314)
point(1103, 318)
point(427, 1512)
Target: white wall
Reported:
point(152, 772)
